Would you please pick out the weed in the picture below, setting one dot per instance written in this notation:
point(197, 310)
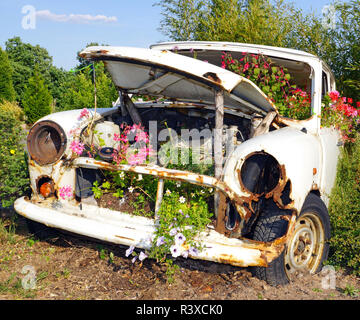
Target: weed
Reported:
point(351, 291)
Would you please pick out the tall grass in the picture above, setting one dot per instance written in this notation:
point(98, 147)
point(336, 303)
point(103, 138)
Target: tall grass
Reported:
point(344, 210)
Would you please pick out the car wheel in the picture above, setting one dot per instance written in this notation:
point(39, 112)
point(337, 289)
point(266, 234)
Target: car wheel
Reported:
point(306, 249)
point(40, 231)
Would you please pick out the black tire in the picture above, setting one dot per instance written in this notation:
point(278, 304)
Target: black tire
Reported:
point(268, 227)
point(40, 231)
point(311, 251)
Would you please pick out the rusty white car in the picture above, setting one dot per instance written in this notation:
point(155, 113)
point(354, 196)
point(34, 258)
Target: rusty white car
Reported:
point(272, 189)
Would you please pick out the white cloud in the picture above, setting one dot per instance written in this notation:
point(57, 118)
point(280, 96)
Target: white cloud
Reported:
point(76, 18)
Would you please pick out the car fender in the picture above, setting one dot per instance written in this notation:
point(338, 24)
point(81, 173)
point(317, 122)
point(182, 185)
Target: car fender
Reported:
point(298, 154)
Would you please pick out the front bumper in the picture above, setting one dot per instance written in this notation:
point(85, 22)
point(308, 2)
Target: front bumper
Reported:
point(122, 228)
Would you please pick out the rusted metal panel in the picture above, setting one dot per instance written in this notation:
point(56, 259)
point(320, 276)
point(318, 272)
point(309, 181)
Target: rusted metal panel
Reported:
point(121, 228)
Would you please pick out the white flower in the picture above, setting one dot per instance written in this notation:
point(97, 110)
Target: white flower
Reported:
point(185, 254)
point(160, 241)
point(142, 256)
point(168, 192)
point(140, 177)
point(193, 251)
point(178, 184)
point(179, 239)
point(202, 191)
point(129, 251)
point(122, 175)
point(182, 200)
point(131, 189)
point(173, 231)
point(211, 190)
point(175, 250)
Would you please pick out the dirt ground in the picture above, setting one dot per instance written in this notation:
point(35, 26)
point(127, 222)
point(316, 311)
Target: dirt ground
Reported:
point(69, 267)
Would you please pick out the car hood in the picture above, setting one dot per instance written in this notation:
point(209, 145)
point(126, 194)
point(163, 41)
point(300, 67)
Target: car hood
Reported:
point(166, 74)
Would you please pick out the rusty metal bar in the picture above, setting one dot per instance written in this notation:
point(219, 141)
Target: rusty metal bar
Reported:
point(218, 152)
point(159, 195)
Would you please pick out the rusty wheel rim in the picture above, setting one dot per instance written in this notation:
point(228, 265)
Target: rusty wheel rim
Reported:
point(305, 247)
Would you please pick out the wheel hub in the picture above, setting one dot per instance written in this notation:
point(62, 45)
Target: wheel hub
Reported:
point(305, 245)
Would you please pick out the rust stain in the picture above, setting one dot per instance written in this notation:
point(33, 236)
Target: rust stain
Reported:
point(212, 76)
point(221, 218)
point(125, 238)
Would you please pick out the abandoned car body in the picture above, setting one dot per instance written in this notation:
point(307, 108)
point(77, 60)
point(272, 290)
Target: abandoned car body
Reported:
point(272, 187)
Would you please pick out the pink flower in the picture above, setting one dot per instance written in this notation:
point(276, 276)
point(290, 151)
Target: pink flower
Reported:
point(77, 147)
point(142, 136)
point(65, 192)
point(334, 95)
point(139, 157)
point(246, 67)
point(84, 114)
point(116, 137)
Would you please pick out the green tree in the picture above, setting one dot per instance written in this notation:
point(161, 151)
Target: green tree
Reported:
point(181, 18)
point(7, 91)
point(79, 90)
point(37, 98)
point(346, 61)
point(249, 21)
point(24, 57)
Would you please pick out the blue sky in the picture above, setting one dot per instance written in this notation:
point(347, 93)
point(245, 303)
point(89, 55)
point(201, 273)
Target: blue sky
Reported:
point(64, 27)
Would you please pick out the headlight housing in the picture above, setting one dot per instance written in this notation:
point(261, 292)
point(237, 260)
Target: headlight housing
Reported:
point(260, 173)
point(46, 142)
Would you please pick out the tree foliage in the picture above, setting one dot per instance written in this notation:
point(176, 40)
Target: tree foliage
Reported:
point(37, 98)
point(7, 91)
point(346, 61)
point(24, 57)
point(79, 90)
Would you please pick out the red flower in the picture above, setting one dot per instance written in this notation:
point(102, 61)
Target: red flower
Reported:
point(358, 104)
point(334, 95)
point(350, 100)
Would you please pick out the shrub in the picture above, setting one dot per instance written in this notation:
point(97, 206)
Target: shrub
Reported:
point(14, 109)
point(14, 180)
point(344, 209)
